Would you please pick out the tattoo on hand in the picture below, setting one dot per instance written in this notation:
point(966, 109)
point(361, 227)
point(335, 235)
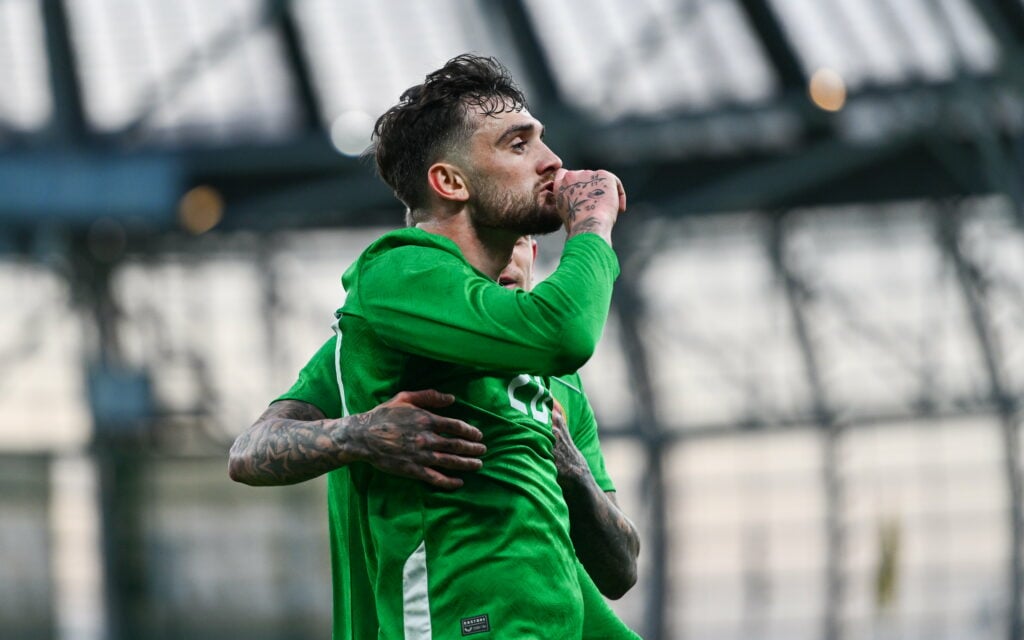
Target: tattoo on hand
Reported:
point(381, 437)
point(578, 197)
point(574, 196)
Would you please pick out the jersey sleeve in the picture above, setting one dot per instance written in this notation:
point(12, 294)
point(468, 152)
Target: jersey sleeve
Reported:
point(318, 382)
point(431, 303)
point(582, 426)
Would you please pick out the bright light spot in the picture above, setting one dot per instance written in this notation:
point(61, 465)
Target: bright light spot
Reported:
point(200, 209)
point(350, 132)
point(827, 90)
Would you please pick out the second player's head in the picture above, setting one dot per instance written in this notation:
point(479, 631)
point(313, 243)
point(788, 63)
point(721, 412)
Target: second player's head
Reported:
point(518, 274)
point(463, 141)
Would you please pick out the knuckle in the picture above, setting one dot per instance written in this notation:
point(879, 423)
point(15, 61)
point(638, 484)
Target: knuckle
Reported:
point(429, 440)
point(443, 460)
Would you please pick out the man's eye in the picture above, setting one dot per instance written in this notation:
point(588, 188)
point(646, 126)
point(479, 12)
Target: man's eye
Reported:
point(520, 146)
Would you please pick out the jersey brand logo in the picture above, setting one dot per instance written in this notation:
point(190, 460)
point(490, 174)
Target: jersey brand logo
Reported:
point(476, 624)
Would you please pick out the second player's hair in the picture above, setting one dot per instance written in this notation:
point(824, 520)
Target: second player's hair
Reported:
point(431, 120)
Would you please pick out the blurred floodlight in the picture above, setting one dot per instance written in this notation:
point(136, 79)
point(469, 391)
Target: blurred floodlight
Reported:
point(351, 131)
point(827, 89)
point(200, 209)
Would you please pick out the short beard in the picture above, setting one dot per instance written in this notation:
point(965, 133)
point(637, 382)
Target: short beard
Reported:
point(506, 211)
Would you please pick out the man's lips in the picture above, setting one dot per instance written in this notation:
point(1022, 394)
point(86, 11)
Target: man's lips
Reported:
point(548, 188)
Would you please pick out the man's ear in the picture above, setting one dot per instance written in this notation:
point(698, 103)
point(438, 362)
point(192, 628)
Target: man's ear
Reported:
point(447, 182)
point(533, 245)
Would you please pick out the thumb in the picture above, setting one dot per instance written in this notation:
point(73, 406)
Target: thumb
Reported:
point(557, 406)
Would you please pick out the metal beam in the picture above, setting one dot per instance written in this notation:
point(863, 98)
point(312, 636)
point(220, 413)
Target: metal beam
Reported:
point(629, 308)
point(352, 201)
point(777, 45)
point(546, 96)
point(75, 188)
point(119, 401)
point(307, 183)
point(780, 181)
point(1010, 14)
point(308, 176)
point(312, 119)
point(998, 159)
point(68, 125)
point(972, 284)
point(832, 172)
point(1005, 21)
point(797, 295)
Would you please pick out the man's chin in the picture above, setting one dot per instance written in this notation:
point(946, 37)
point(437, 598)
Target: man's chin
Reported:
point(535, 221)
point(546, 221)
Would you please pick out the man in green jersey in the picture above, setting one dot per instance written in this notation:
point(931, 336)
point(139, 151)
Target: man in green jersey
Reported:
point(495, 556)
point(299, 432)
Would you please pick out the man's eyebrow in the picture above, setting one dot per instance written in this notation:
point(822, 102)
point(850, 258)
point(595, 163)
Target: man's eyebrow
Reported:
point(514, 130)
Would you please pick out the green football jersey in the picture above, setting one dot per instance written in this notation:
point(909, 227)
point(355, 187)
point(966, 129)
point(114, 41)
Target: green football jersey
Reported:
point(355, 614)
point(493, 556)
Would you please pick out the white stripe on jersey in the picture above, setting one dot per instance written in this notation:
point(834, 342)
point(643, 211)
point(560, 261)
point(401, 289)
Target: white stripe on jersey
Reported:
point(415, 599)
point(566, 384)
point(337, 364)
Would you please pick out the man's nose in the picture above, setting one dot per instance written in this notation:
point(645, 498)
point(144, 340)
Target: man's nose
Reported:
point(550, 162)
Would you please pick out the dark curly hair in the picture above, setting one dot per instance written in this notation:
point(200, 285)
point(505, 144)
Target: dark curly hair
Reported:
point(430, 121)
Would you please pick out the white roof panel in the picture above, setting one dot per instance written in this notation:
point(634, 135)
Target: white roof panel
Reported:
point(25, 102)
point(888, 41)
point(365, 54)
point(207, 71)
point(621, 58)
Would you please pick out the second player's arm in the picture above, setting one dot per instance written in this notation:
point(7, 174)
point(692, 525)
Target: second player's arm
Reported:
point(606, 541)
point(293, 442)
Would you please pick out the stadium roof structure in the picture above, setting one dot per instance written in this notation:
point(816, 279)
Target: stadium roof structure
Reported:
point(117, 108)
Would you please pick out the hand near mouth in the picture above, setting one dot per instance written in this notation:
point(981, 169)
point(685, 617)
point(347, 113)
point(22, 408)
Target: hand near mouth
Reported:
point(589, 201)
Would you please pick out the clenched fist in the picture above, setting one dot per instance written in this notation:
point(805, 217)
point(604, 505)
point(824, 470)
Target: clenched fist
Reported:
point(589, 201)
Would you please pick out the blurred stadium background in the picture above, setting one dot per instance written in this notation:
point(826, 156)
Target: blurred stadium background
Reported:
point(809, 390)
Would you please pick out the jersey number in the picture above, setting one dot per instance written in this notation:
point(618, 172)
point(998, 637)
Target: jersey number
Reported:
point(537, 408)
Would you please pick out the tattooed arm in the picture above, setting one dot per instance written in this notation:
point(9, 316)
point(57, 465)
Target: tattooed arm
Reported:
point(589, 201)
point(293, 441)
point(606, 541)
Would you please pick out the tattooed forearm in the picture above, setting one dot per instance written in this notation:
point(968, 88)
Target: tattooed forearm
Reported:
point(606, 541)
point(587, 225)
point(291, 442)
